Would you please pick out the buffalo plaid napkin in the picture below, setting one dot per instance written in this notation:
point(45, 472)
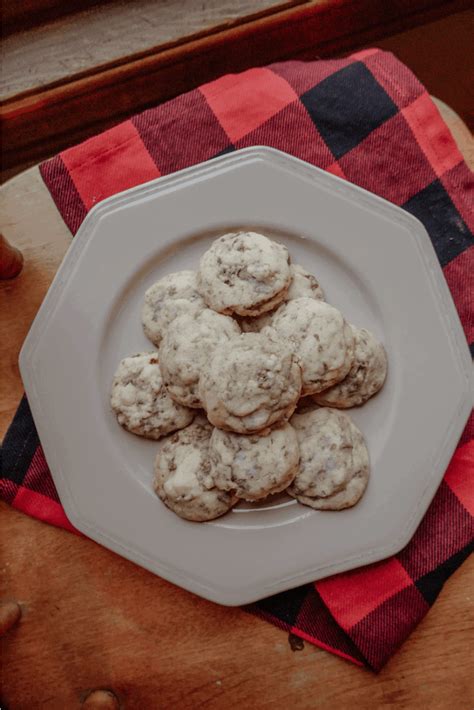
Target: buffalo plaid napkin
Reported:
point(367, 119)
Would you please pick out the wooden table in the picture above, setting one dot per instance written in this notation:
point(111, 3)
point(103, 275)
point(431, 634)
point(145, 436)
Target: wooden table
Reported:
point(93, 620)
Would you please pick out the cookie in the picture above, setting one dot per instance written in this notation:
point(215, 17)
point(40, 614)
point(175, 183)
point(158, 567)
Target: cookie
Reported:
point(141, 402)
point(255, 325)
point(320, 337)
point(364, 379)
point(182, 479)
point(188, 342)
point(253, 467)
point(244, 273)
point(250, 382)
point(346, 498)
point(334, 461)
point(303, 284)
point(172, 296)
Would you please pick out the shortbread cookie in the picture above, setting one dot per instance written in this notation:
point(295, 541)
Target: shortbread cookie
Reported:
point(320, 337)
point(140, 400)
point(244, 273)
point(250, 382)
point(189, 341)
point(253, 467)
point(303, 284)
point(365, 377)
point(182, 478)
point(172, 296)
point(334, 461)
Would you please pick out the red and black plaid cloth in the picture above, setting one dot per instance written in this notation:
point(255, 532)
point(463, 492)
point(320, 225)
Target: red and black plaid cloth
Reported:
point(367, 119)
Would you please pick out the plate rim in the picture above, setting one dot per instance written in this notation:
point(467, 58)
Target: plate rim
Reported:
point(223, 595)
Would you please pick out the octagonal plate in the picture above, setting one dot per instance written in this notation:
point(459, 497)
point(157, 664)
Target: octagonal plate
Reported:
point(375, 262)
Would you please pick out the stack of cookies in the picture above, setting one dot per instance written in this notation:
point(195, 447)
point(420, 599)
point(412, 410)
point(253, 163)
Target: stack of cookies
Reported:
point(239, 343)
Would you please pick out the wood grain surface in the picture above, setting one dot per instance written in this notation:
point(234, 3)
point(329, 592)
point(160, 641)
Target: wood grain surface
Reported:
point(18, 16)
point(108, 33)
point(92, 620)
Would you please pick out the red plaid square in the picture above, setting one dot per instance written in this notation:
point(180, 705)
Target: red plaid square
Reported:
point(241, 102)
point(109, 163)
point(336, 169)
point(432, 134)
point(42, 507)
point(353, 595)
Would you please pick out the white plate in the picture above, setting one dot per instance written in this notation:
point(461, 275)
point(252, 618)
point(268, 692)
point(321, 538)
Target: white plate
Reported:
point(374, 261)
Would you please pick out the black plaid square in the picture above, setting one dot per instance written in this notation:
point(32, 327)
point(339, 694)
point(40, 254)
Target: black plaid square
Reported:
point(347, 106)
point(285, 606)
point(19, 445)
point(432, 583)
point(444, 224)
